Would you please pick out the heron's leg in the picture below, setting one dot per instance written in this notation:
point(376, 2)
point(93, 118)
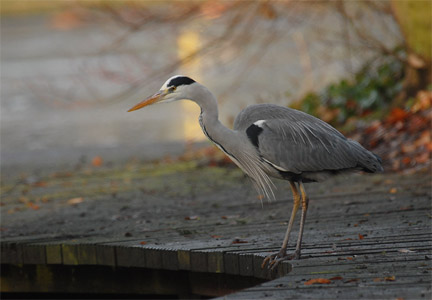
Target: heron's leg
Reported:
point(305, 204)
point(294, 210)
point(274, 259)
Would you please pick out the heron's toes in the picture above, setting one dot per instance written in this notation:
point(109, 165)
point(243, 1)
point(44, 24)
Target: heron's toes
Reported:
point(273, 260)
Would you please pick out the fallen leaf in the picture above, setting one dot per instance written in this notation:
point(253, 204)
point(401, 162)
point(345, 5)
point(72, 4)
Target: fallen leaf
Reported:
point(377, 279)
point(317, 281)
point(390, 278)
point(40, 184)
point(75, 201)
point(408, 148)
point(33, 206)
point(350, 258)
point(216, 236)
point(336, 278)
point(373, 127)
point(360, 236)
point(23, 199)
point(192, 218)
point(396, 115)
point(422, 158)
point(351, 280)
point(393, 191)
point(424, 138)
point(143, 243)
point(409, 207)
point(406, 251)
point(239, 241)
point(97, 161)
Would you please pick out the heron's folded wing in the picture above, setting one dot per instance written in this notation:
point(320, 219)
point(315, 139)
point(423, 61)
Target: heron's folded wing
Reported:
point(304, 146)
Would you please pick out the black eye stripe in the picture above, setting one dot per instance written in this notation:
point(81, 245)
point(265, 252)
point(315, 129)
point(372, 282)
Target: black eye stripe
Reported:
point(180, 81)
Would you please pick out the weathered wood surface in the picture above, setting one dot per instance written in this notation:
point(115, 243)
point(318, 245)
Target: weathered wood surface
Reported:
point(370, 235)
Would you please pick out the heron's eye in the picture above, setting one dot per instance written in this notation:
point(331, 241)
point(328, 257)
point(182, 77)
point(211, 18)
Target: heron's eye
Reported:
point(172, 89)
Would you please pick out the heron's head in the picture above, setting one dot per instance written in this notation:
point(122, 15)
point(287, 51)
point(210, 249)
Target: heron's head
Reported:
point(175, 88)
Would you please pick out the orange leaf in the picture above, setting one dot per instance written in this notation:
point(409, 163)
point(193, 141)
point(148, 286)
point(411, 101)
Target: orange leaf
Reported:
point(360, 236)
point(97, 161)
point(424, 138)
point(390, 278)
point(216, 236)
point(317, 280)
point(33, 206)
point(393, 191)
point(408, 148)
point(373, 127)
point(422, 158)
point(406, 160)
point(396, 115)
point(350, 258)
point(75, 201)
point(143, 243)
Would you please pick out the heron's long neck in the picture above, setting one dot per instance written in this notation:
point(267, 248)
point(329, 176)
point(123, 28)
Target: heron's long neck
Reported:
point(209, 120)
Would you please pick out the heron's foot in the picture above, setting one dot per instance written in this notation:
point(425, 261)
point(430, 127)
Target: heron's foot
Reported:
point(273, 260)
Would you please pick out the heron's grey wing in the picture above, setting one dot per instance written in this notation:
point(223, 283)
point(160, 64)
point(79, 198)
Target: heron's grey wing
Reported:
point(305, 146)
point(296, 142)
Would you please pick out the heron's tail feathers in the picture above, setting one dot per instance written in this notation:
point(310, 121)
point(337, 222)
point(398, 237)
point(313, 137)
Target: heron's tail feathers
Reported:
point(366, 160)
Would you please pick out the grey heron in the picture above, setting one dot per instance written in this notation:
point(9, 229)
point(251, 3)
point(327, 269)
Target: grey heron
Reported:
point(274, 141)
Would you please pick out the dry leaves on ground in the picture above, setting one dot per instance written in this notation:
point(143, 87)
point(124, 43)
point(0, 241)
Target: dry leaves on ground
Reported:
point(403, 139)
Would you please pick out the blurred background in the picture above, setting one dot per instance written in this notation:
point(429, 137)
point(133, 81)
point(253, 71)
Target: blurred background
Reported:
point(71, 69)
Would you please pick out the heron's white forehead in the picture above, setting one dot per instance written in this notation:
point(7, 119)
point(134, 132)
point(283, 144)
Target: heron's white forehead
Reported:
point(165, 85)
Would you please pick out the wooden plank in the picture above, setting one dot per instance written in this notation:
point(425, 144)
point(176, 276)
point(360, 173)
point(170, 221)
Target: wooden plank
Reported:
point(105, 255)
point(130, 257)
point(389, 224)
point(33, 254)
point(153, 257)
point(169, 260)
point(11, 253)
point(53, 254)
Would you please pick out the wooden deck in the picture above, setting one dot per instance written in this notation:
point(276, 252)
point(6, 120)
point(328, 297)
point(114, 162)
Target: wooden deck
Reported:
point(366, 236)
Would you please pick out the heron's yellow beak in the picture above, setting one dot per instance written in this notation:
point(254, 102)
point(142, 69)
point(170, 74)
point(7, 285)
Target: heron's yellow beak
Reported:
point(150, 100)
